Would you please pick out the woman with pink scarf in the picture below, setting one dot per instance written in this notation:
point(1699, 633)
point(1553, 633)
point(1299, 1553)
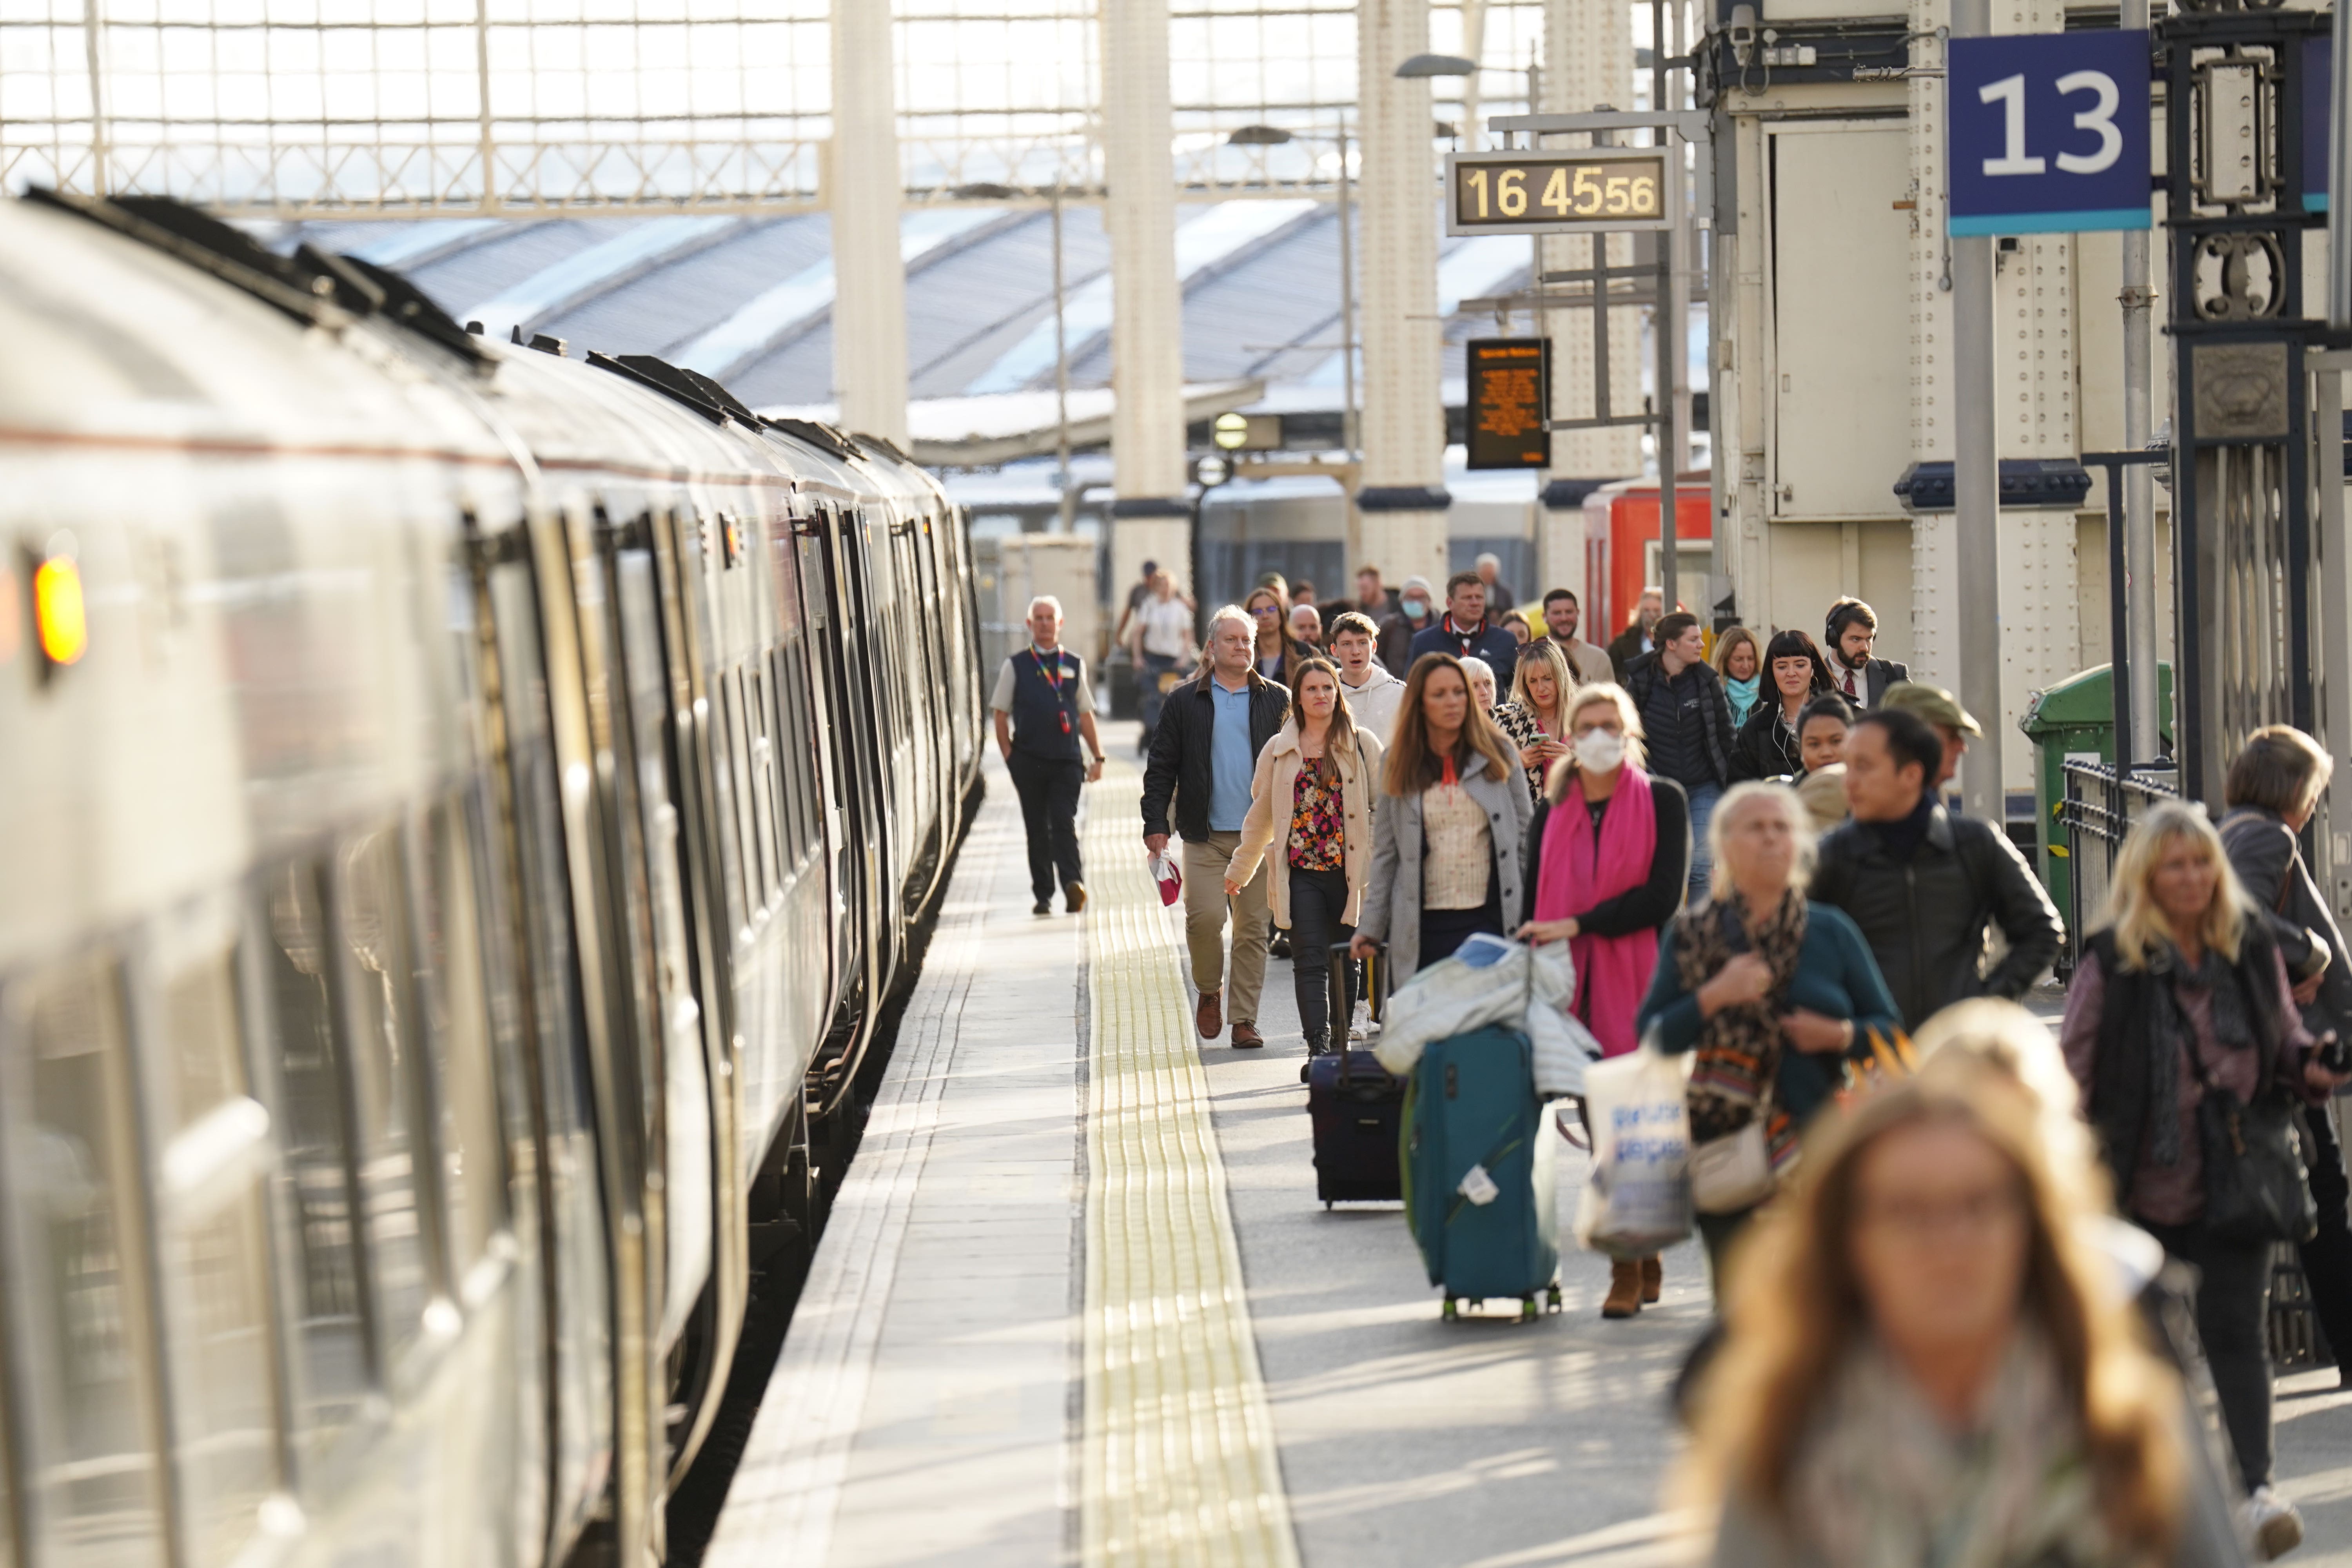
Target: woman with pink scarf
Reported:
point(1609, 853)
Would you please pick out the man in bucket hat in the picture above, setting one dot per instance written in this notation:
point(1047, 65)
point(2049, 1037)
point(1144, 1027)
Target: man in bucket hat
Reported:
point(1943, 713)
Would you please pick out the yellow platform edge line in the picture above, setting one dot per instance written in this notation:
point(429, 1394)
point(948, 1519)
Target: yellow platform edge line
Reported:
point(1179, 1462)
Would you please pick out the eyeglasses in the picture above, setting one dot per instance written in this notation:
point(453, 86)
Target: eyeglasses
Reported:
point(1971, 1216)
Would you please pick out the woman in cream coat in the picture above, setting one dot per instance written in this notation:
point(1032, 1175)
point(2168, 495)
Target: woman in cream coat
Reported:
point(1314, 789)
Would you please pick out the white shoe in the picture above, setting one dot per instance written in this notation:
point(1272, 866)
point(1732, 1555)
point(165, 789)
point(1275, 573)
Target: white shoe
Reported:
point(1359, 1022)
point(2273, 1521)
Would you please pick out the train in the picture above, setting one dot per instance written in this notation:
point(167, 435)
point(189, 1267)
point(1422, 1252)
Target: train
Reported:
point(466, 809)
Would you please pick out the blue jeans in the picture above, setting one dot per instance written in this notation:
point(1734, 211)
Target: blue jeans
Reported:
point(1702, 809)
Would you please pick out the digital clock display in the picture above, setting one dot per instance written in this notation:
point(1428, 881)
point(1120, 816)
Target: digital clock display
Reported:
point(1552, 193)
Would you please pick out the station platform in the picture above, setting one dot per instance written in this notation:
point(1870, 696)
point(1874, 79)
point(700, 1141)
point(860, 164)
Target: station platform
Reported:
point(1078, 1302)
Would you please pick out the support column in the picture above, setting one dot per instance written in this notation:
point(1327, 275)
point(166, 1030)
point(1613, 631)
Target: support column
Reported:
point(1935, 541)
point(1153, 517)
point(869, 302)
point(1588, 61)
point(1403, 500)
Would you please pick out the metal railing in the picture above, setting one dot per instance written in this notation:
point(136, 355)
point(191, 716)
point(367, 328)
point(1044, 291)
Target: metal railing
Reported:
point(2098, 810)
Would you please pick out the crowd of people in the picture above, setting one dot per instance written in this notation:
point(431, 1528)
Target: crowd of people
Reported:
point(1946, 1331)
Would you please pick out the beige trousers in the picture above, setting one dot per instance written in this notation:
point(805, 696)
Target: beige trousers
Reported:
point(1205, 925)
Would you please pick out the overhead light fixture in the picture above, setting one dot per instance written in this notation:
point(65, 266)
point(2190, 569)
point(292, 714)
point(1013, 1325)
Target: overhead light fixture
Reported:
point(1258, 136)
point(1421, 66)
point(985, 191)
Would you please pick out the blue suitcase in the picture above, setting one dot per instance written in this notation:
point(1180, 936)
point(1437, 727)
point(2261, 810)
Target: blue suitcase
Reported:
point(1473, 1102)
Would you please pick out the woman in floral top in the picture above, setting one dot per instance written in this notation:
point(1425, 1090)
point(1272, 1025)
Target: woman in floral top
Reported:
point(1314, 780)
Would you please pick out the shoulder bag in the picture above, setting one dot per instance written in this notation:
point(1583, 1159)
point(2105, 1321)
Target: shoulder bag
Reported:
point(2255, 1186)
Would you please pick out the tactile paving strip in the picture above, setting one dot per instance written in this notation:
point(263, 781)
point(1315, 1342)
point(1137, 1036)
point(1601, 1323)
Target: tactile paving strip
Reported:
point(1180, 1464)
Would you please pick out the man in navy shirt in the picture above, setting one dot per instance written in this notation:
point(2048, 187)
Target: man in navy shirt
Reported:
point(1042, 707)
point(1464, 631)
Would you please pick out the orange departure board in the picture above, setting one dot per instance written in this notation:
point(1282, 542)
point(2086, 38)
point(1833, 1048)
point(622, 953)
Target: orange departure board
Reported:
point(1509, 404)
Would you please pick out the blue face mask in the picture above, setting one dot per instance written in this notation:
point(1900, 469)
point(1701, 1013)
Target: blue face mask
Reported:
point(1416, 609)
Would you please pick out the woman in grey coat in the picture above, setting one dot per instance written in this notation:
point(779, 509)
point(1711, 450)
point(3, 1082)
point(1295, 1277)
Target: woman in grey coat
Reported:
point(1446, 834)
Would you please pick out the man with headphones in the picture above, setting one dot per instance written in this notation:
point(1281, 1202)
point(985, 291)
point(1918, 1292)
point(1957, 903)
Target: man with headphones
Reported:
point(1851, 633)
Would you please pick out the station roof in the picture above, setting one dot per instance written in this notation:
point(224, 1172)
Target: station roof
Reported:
point(749, 300)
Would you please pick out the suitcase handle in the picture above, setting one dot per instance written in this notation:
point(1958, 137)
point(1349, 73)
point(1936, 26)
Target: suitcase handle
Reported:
point(1372, 966)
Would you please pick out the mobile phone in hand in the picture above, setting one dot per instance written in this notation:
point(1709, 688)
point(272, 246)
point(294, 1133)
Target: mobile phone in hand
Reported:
point(2335, 1054)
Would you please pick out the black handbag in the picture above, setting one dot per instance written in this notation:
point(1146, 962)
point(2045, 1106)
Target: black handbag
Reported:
point(2256, 1188)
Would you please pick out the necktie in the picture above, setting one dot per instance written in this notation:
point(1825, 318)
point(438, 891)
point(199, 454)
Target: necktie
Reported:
point(1849, 685)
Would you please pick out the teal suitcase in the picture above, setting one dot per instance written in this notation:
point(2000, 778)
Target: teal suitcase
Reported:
point(1472, 1103)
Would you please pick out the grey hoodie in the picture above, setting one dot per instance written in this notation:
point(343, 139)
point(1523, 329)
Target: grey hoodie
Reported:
point(1373, 705)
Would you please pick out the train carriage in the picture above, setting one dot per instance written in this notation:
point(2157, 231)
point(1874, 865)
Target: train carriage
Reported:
point(466, 809)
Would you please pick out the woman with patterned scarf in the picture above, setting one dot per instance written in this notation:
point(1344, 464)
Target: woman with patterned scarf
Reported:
point(2180, 992)
point(1927, 1360)
point(1770, 990)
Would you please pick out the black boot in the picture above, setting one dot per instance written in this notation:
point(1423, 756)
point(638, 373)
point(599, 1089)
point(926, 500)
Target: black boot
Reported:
point(1319, 1043)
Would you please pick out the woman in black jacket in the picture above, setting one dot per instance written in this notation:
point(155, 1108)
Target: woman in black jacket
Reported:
point(1766, 746)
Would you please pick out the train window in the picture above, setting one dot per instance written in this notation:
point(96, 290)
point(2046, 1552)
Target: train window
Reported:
point(335, 1363)
point(753, 681)
point(747, 838)
point(792, 742)
point(87, 1411)
point(372, 920)
point(213, 1240)
point(473, 1177)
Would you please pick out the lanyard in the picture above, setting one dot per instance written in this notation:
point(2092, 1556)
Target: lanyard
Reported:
point(1052, 678)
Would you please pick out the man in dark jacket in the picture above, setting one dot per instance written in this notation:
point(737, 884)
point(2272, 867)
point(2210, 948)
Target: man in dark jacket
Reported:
point(1860, 677)
point(1685, 726)
point(1466, 632)
point(1203, 756)
point(1924, 884)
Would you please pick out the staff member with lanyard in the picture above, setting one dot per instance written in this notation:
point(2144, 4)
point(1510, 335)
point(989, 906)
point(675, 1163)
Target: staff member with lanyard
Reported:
point(1042, 707)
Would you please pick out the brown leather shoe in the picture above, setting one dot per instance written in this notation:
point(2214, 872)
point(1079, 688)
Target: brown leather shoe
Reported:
point(1624, 1297)
point(1074, 896)
point(1246, 1037)
point(1209, 1018)
point(1654, 1280)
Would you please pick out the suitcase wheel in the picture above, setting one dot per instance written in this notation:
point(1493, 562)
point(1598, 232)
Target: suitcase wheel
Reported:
point(1450, 1311)
point(1551, 1300)
point(1528, 1313)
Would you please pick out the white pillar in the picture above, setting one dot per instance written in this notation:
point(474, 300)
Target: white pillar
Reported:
point(1403, 499)
point(869, 303)
point(1147, 352)
point(1589, 60)
point(1935, 541)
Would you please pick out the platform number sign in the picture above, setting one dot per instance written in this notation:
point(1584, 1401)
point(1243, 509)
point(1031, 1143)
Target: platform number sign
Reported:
point(2048, 133)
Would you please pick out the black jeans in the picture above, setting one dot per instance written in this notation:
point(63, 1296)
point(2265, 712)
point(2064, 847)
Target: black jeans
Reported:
point(1049, 813)
point(1443, 930)
point(1317, 900)
point(2233, 1304)
point(2327, 1257)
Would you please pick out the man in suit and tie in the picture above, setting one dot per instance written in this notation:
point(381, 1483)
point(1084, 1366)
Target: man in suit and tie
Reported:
point(1852, 632)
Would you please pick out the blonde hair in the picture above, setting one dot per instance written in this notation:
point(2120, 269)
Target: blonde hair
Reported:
point(1600, 694)
point(1796, 1310)
point(1736, 802)
point(1732, 639)
point(2008, 1039)
point(2138, 924)
point(1547, 654)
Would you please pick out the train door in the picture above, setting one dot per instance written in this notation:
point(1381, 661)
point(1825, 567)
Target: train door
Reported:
point(828, 740)
point(647, 826)
point(577, 1284)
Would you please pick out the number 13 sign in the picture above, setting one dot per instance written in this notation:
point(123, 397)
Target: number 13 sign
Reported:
point(2047, 133)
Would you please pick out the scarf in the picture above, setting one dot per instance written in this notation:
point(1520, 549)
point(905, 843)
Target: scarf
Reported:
point(1739, 1053)
point(1577, 867)
point(1880, 1479)
point(1903, 837)
point(1741, 695)
point(2233, 1028)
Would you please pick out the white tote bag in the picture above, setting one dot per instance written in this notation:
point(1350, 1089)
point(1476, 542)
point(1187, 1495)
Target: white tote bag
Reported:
point(1638, 1202)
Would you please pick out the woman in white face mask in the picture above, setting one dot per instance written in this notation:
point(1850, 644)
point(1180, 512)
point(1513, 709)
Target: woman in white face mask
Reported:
point(1609, 853)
